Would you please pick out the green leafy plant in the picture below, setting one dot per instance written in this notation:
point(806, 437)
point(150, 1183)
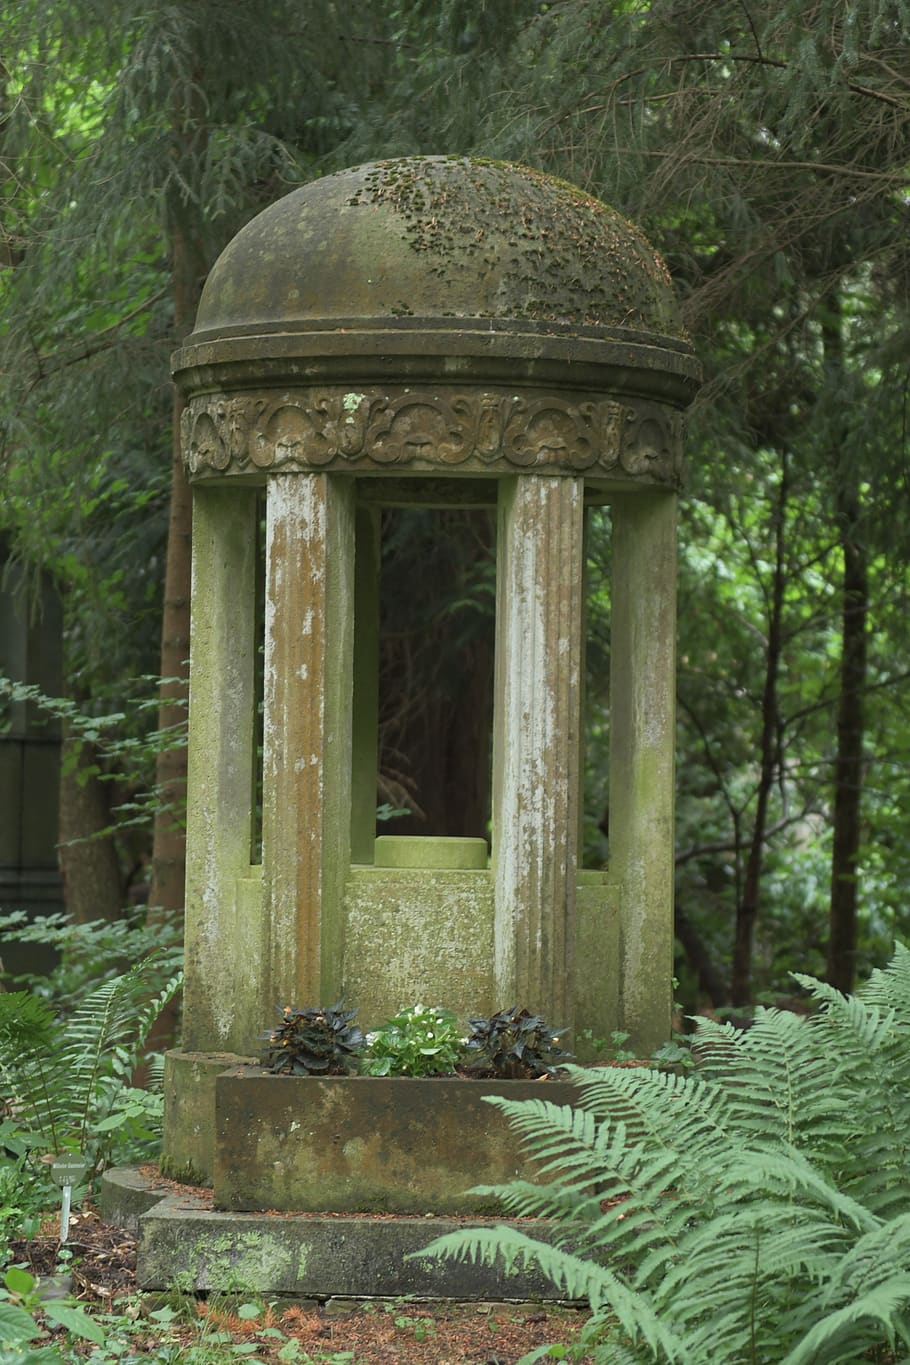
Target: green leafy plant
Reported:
point(94, 952)
point(386, 811)
point(420, 1041)
point(319, 1041)
point(21, 1206)
point(20, 1298)
point(755, 1208)
point(514, 1043)
point(129, 757)
point(67, 1079)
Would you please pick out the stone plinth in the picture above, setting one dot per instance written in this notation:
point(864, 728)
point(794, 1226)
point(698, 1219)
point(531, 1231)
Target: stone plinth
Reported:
point(366, 1143)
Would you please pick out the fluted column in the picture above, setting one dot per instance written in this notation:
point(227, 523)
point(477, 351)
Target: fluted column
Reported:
point(309, 625)
point(536, 742)
point(642, 743)
point(224, 957)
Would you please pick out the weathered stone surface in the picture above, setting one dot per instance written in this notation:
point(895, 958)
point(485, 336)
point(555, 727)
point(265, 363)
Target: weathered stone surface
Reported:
point(318, 1258)
point(429, 428)
point(183, 1244)
point(189, 1112)
point(597, 964)
point(418, 935)
point(307, 760)
point(373, 1144)
point(444, 237)
point(224, 946)
point(443, 314)
point(393, 850)
point(642, 755)
point(536, 742)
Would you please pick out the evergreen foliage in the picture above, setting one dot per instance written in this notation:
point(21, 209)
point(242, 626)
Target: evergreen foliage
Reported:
point(755, 1209)
point(66, 1080)
point(763, 146)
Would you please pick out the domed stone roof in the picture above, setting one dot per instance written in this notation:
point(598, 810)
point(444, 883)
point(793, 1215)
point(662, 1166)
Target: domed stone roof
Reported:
point(447, 237)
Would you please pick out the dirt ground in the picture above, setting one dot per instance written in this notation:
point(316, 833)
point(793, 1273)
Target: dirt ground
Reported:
point(103, 1272)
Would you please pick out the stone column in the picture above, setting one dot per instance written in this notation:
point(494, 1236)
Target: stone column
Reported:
point(224, 942)
point(306, 814)
point(536, 742)
point(642, 743)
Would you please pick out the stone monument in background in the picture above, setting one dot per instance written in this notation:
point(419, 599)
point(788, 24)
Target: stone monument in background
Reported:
point(439, 331)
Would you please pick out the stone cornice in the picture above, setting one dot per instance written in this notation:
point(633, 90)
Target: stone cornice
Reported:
point(431, 429)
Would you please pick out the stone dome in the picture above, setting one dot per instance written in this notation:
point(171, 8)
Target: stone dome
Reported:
point(444, 237)
point(440, 270)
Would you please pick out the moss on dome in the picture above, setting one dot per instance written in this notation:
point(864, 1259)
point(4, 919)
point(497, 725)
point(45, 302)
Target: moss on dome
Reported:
point(439, 237)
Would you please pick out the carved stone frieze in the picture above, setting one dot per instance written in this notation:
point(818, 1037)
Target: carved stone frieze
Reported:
point(430, 430)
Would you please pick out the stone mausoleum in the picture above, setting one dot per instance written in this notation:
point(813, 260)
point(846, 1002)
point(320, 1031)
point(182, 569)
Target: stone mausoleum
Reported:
point(439, 331)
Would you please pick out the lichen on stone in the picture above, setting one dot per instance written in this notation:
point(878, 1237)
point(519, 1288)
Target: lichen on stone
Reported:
point(551, 252)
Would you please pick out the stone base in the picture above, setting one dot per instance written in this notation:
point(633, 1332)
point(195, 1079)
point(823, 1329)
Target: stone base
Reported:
point(189, 1112)
point(185, 1244)
point(367, 1144)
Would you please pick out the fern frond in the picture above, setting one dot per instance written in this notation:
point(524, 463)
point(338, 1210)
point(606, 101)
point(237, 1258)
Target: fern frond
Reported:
point(751, 1211)
point(775, 1075)
point(576, 1277)
point(875, 1257)
point(790, 1176)
point(890, 986)
point(869, 1050)
point(843, 1332)
point(26, 1022)
point(679, 1115)
point(57, 1087)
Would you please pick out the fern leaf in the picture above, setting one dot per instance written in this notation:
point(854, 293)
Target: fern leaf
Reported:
point(575, 1277)
point(838, 1330)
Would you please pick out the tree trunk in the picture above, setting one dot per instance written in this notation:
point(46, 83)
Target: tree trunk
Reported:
point(848, 766)
point(710, 979)
point(92, 881)
point(848, 763)
point(188, 269)
point(747, 909)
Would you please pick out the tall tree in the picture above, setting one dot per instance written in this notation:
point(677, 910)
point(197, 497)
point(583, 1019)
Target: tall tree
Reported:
point(139, 138)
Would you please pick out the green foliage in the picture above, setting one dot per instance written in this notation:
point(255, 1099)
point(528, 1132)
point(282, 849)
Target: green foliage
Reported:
point(67, 1080)
point(318, 1040)
point(420, 1041)
point(514, 1043)
point(23, 1200)
point(95, 952)
point(753, 1209)
point(20, 1298)
point(119, 747)
point(763, 147)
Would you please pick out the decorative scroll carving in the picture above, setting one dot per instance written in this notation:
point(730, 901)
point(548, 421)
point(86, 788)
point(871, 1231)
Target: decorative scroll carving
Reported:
point(426, 429)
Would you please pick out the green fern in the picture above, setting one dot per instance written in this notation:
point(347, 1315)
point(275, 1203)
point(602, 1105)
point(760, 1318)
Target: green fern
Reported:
point(63, 1079)
point(755, 1211)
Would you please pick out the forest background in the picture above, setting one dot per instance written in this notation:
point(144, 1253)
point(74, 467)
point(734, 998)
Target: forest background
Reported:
point(764, 146)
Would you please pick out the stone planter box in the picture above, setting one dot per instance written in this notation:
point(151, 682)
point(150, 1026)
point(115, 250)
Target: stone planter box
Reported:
point(365, 1144)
